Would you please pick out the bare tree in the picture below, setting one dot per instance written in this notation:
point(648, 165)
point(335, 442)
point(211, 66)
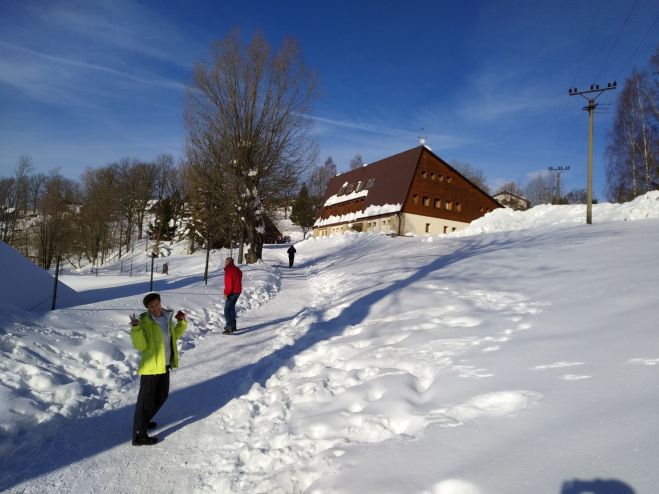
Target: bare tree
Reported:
point(245, 114)
point(512, 187)
point(14, 196)
point(54, 226)
point(632, 166)
point(356, 162)
point(540, 189)
point(100, 211)
point(472, 173)
point(318, 181)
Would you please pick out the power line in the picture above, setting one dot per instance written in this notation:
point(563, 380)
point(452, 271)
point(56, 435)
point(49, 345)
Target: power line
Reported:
point(617, 38)
point(562, 119)
point(585, 48)
point(637, 47)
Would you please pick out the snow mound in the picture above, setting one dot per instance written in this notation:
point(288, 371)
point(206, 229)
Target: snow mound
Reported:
point(27, 286)
point(546, 215)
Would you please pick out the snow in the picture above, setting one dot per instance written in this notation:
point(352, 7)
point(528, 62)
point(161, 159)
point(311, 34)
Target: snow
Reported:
point(519, 355)
point(26, 286)
point(337, 199)
point(370, 211)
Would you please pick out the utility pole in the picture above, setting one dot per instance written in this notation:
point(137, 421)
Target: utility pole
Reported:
point(594, 88)
point(558, 170)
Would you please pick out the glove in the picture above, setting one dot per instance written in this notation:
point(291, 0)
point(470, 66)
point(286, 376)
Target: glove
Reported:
point(180, 316)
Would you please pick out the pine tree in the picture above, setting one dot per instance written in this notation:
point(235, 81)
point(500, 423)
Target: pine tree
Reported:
point(303, 212)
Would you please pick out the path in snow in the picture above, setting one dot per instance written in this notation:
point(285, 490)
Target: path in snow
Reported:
point(221, 368)
point(270, 408)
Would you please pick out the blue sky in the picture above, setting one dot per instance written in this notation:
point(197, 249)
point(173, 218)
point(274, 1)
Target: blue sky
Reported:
point(85, 83)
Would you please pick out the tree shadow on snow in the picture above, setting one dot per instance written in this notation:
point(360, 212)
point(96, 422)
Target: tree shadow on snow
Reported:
point(76, 440)
point(597, 486)
point(135, 289)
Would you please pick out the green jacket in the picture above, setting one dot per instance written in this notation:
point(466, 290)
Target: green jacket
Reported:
point(147, 337)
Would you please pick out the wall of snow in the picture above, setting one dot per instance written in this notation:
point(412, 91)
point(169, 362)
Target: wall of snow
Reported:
point(28, 287)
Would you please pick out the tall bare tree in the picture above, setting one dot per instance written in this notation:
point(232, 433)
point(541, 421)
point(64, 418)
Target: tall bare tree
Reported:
point(633, 150)
point(14, 194)
point(54, 226)
point(100, 212)
point(245, 114)
point(318, 181)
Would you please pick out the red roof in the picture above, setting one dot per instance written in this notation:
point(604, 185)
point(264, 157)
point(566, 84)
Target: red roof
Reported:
point(389, 174)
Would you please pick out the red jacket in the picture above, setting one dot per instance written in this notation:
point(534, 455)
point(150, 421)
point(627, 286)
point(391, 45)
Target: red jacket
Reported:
point(233, 279)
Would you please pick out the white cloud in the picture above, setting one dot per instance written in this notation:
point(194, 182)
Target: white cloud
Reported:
point(56, 80)
point(122, 24)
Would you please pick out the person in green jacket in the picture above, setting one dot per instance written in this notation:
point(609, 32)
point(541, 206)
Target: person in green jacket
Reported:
point(154, 334)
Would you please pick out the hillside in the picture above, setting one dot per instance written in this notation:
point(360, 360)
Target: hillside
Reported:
point(517, 356)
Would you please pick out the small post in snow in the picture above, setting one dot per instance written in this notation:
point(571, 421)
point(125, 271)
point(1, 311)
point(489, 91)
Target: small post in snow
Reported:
point(153, 256)
point(56, 278)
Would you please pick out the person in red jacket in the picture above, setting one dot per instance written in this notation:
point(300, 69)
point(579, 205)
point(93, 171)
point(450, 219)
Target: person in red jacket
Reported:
point(233, 286)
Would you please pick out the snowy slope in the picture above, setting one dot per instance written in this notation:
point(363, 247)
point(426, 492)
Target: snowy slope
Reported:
point(523, 360)
point(26, 286)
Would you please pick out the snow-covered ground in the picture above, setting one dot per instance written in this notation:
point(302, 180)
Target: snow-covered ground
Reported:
point(518, 356)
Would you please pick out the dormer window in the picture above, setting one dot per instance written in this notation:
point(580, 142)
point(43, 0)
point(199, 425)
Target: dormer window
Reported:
point(360, 186)
point(349, 189)
point(370, 183)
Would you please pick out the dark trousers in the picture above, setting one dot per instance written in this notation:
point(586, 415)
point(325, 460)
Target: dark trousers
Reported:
point(290, 261)
point(154, 391)
point(230, 311)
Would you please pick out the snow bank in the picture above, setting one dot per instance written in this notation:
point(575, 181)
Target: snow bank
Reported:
point(545, 215)
point(28, 287)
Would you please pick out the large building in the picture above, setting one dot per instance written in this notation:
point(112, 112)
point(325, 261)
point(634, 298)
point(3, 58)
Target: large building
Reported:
point(413, 192)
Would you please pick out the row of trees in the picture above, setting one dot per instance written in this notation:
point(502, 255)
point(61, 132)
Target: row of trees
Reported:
point(48, 215)
point(247, 147)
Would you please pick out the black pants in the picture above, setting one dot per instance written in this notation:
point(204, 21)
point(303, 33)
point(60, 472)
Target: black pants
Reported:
point(154, 391)
point(290, 261)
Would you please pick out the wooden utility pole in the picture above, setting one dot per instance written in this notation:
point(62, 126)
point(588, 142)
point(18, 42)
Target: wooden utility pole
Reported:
point(594, 88)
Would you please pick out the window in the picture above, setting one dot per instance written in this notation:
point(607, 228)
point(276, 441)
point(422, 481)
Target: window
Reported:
point(438, 203)
point(370, 183)
point(445, 229)
point(427, 227)
point(458, 206)
point(424, 174)
point(415, 199)
point(449, 180)
point(440, 178)
point(432, 177)
point(349, 188)
point(448, 205)
point(453, 229)
point(342, 190)
point(426, 201)
point(360, 186)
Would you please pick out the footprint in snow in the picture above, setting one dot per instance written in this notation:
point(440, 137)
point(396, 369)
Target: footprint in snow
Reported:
point(644, 361)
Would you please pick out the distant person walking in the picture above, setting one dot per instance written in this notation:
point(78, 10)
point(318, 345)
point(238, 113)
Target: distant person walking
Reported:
point(233, 287)
point(291, 256)
point(154, 334)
